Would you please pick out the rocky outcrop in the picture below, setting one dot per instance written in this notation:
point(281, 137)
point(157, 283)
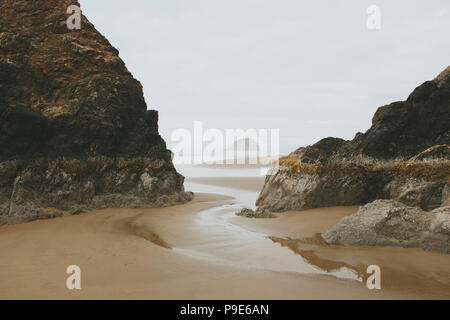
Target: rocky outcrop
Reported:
point(309, 187)
point(403, 156)
point(388, 222)
point(301, 186)
point(75, 131)
point(404, 129)
point(259, 213)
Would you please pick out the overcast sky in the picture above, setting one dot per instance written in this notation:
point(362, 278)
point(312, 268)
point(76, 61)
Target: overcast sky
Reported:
point(310, 68)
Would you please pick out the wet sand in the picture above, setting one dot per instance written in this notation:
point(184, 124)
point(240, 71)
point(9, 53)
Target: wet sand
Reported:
point(244, 183)
point(404, 270)
point(194, 251)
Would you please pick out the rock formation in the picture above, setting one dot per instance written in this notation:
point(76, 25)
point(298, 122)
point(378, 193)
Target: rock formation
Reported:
point(388, 222)
point(404, 156)
point(75, 131)
point(259, 213)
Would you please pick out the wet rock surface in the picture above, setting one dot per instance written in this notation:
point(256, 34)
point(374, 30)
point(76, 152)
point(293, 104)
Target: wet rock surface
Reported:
point(75, 131)
point(259, 213)
point(388, 222)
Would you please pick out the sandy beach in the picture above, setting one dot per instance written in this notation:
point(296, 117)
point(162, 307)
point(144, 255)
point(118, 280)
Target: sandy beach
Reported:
point(161, 150)
point(243, 183)
point(200, 250)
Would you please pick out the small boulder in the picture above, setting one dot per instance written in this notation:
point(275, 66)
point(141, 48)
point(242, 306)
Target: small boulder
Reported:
point(260, 213)
point(388, 222)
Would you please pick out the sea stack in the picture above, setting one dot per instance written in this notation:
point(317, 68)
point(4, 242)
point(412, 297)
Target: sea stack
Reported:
point(400, 168)
point(75, 132)
point(404, 156)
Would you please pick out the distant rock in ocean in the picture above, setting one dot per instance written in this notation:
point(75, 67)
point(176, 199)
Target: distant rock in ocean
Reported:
point(75, 132)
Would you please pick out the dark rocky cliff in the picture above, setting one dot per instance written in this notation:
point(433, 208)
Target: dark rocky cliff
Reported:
point(399, 130)
point(403, 156)
point(403, 159)
point(75, 131)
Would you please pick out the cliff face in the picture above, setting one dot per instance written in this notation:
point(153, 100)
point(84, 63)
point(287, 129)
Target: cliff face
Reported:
point(403, 156)
point(405, 129)
point(74, 126)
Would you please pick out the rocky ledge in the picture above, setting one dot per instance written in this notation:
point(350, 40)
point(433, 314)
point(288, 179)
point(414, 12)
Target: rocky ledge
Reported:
point(301, 186)
point(75, 132)
point(404, 156)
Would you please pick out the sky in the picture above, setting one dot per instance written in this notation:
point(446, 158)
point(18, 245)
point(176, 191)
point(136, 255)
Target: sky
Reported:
point(309, 68)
